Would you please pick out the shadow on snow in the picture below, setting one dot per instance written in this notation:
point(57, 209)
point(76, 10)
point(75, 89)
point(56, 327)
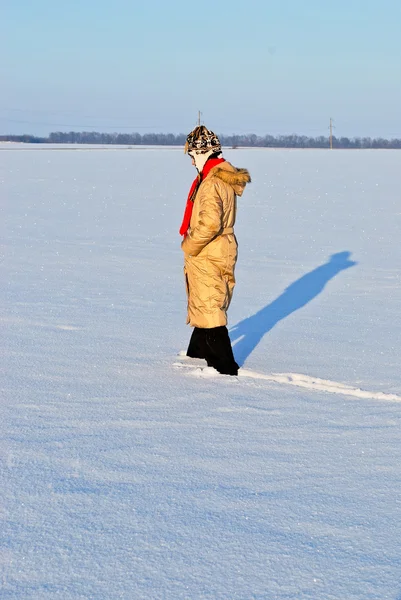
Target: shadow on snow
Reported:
point(247, 333)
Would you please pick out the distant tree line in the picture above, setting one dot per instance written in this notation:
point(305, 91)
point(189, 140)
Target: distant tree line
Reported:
point(235, 141)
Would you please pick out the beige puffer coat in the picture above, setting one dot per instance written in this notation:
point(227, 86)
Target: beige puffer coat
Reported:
point(210, 247)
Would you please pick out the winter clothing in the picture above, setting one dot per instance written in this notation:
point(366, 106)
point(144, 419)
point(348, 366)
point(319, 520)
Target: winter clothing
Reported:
point(210, 249)
point(201, 140)
point(214, 346)
point(201, 144)
point(212, 162)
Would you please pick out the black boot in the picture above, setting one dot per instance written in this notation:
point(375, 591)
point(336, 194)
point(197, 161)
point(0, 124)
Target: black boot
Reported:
point(197, 343)
point(219, 353)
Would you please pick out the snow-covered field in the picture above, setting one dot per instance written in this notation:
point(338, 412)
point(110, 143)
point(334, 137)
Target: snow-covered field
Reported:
point(124, 476)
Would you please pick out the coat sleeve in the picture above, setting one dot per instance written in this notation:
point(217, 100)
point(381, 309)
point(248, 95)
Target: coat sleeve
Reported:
point(209, 223)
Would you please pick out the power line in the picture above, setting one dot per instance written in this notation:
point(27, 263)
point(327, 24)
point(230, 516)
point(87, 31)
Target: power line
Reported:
point(30, 122)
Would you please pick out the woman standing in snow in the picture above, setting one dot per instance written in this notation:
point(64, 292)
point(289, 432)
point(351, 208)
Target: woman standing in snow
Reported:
point(210, 248)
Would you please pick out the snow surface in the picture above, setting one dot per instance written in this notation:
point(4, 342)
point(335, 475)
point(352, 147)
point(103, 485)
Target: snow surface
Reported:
point(124, 476)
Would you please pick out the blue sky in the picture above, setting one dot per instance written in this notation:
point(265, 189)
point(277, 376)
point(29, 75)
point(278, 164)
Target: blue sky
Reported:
point(258, 66)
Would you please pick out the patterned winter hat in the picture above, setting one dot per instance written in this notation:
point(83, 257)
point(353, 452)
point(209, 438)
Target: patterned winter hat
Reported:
point(201, 140)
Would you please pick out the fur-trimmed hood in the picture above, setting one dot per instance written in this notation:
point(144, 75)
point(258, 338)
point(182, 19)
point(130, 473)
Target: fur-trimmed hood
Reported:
point(237, 178)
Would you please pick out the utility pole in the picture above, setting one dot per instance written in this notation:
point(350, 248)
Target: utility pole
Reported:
point(331, 133)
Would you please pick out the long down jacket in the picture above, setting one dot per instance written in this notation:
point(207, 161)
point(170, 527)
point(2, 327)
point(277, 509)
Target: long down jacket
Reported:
point(210, 248)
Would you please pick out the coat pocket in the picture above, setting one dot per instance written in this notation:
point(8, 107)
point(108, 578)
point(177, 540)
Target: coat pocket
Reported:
point(186, 282)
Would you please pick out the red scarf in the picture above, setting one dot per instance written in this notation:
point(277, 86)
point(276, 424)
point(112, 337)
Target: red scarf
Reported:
point(212, 162)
